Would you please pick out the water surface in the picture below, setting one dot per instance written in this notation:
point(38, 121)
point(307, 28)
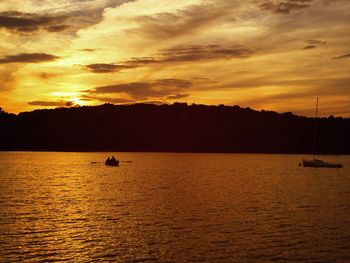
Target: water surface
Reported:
point(164, 207)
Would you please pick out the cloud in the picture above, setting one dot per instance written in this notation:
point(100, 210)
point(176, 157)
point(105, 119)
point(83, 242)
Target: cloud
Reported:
point(58, 28)
point(105, 68)
point(285, 6)
point(135, 62)
point(177, 54)
point(88, 49)
point(47, 103)
point(314, 43)
point(177, 96)
point(26, 22)
point(342, 57)
point(203, 52)
point(28, 58)
point(309, 47)
point(135, 89)
point(183, 21)
point(178, 83)
point(83, 13)
point(112, 68)
point(142, 90)
point(54, 16)
point(53, 103)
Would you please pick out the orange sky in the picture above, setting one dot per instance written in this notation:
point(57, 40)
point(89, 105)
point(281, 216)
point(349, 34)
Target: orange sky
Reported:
point(264, 54)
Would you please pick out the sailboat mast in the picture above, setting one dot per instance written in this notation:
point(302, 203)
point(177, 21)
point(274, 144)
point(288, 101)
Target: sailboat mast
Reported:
point(315, 130)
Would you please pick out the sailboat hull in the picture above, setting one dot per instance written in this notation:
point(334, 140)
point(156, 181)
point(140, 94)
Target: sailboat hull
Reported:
point(315, 162)
point(320, 164)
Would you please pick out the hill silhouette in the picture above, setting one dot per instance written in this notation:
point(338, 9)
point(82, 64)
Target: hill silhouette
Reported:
point(178, 128)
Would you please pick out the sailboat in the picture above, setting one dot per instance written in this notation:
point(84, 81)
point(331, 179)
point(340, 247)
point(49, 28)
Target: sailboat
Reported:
point(317, 163)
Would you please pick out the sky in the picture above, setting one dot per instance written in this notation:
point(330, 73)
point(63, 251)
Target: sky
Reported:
point(275, 55)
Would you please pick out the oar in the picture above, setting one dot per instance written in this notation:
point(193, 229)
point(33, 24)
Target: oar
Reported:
point(96, 162)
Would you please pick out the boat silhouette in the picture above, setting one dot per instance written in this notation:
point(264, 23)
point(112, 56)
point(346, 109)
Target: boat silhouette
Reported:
point(112, 161)
point(317, 163)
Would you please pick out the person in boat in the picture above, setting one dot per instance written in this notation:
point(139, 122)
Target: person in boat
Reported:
point(112, 161)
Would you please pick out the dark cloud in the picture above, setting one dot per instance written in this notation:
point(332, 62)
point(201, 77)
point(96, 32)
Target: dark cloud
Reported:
point(285, 6)
point(105, 68)
point(68, 15)
point(111, 68)
point(178, 54)
point(343, 56)
point(314, 43)
point(58, 28)
point(177, 96)
point(88, 49)
point(203, 52)
point(310, 47)
point(28, 58)
point(26, 22)
point(47, 103)
point(135, 89)
point(143, 90)
point(53, 103)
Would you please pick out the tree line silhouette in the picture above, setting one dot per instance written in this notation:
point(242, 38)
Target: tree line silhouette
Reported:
point(171, 128)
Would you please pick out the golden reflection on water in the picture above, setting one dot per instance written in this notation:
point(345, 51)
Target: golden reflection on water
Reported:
point(172, 207)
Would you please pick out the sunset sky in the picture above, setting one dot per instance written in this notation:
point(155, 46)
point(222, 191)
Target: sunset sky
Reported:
point(265, 54)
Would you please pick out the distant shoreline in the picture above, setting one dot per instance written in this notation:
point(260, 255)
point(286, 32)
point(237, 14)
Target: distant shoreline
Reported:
point(178, 128)
point(116, 152)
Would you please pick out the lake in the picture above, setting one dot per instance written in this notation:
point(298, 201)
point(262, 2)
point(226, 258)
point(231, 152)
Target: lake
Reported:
point(172, 207)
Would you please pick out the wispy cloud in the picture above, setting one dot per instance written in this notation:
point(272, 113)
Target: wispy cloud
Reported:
point(285, 6)
point(342, 57)
point(163, 88)
point(105, 68)
point(177, 96)
point(177, 54)
point(203, 52)
point(54, 16)
point(314, 43)
point(52, 103)
point(26, 23)
point(28, 58)
point(189, 19)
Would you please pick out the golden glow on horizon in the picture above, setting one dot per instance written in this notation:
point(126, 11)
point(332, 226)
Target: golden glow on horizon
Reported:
point(261, 54)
